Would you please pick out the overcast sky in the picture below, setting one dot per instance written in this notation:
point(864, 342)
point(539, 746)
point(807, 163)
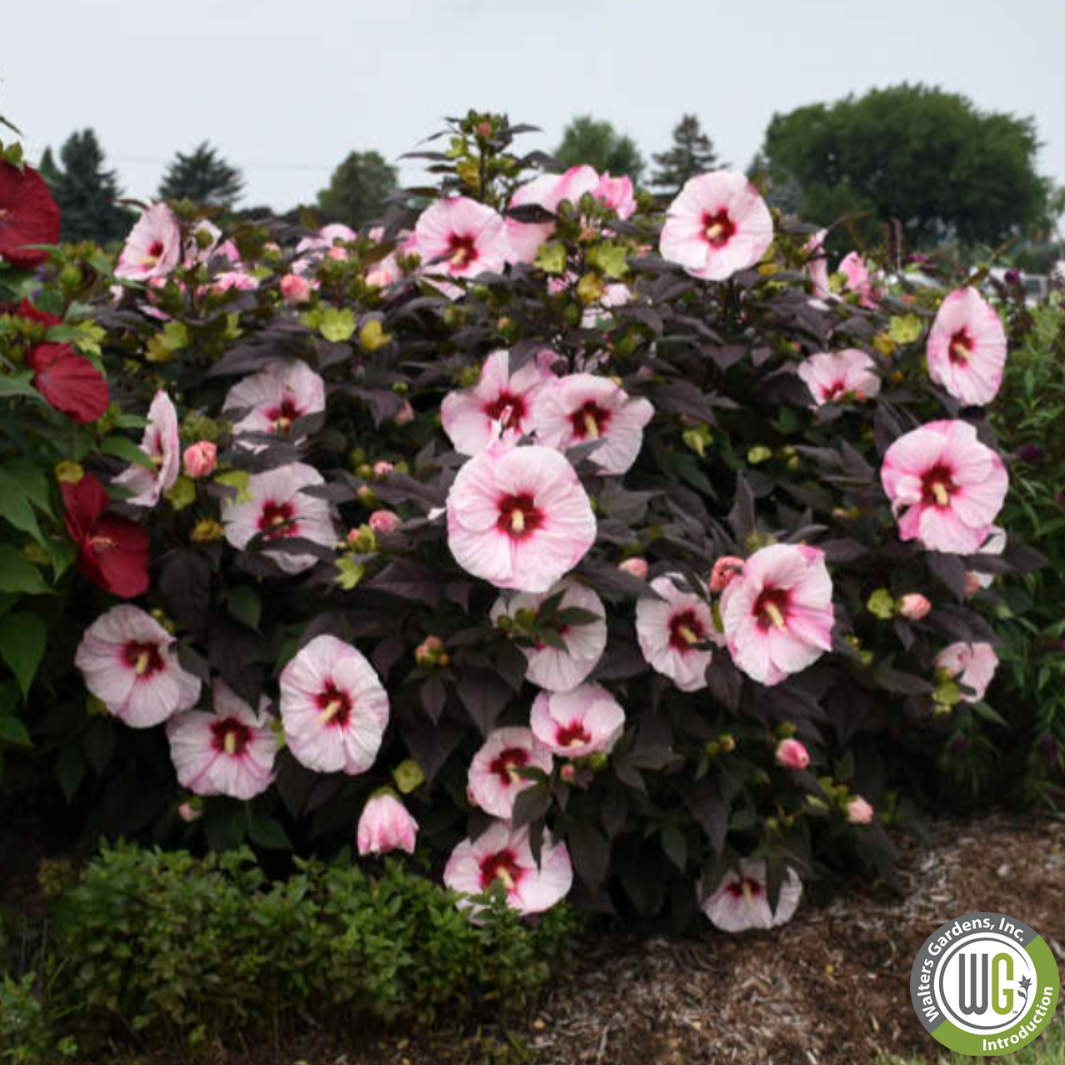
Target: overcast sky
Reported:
point(285, 89)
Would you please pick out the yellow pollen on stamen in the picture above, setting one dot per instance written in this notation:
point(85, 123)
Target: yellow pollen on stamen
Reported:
point(143, 661)
point(960, 351)
point(460, 257)
point(283, 423)
point(331, 711)
point(591, 426)
point(714, 231)
point(515, 776)
point(775, 615)
point(230, 743)
point(941, 494)
point(748, 894)
point(517, 521)
point(686, 634)
point(508, 880)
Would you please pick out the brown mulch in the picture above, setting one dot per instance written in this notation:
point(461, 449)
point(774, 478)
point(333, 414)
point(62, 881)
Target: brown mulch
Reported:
point(830, 988)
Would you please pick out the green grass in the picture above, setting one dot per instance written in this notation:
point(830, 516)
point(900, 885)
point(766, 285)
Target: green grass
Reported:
point(1048, 1049)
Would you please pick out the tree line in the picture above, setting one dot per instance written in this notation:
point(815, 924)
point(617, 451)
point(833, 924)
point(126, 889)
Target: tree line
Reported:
point(928, 160)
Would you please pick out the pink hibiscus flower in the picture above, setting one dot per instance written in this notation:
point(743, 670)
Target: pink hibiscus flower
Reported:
point(583, 408)
point(778, 613)
point(669, 631)
point(719, 224)
point(617, 194)
point(995, 544)
point(503, 854)
point(281, 393)
point(555, 668)
point(230, 752)
point(129, 663)
point(279, 509)
point(460, 238)
point(385, 825)
point(817, 264)
point(327, 242)
point(972, 665)
point(945, 486)
point(153, 247)
point(519, 518)
point(741, 901)
point(333, 707)
point(579, 722)
point(161, 444)
point(839, 376)
point(967, 348)
point(494, 781)
point(860, 279)
point(547, 191)
point(500, 403)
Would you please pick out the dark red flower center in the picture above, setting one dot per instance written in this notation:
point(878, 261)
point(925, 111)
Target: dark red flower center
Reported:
point(771, 608)
point(503, 865)
point(143, 658)
point(745, 886)
point(834, 391)
point(508, 409)
point(230, 736)
point(590, 421)
point(462, 250)
point(718, 229)
point(334, 705)
point(937, 486)
point(961, 347)
point(277, 520)
point(572, 735)
point(506, 763)
point(685, 630)
point(519, 516)
point(283, 415)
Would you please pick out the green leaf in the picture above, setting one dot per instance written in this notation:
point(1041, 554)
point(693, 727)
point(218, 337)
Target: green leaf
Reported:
point(551, 258)
point(32, 481)
point(15, 508)
point(22, 641)
point(182, 493)
point(13, 731)
point(64, 555)
point(238, 479)
point(19, 385)
point(70, 768)
point(245, 605)
point(336, 325)
point(905, 330)
point(612, 261)
point(124, 448)
point(18, 574)
point(267, 833)
point(675, 845)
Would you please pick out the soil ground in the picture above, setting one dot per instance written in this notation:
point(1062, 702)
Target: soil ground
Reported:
point(830, 988)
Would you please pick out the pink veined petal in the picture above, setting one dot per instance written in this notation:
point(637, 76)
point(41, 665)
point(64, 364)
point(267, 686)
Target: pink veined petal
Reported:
point(942, 530)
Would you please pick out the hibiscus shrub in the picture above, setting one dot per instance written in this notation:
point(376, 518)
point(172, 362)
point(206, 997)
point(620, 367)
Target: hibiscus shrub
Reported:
point(623, 540)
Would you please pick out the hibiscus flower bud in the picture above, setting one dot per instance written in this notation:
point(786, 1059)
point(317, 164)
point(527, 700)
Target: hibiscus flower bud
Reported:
point(385, 825)
point(727, 743)
point(200, 459)
point(295, 289)
point(792, 754)
point(366, 495)
point(190, 811)
point(405, 415)
point(972, 583)
point(382, 469)
point(207, 530)
point(725, 568)
point(914, 606)
point(859, 811)
point(67, 472)
point(363, 539)
point(385, 521)
point(568, 773)
point(430, 653)
point(372, 336)
point(637, 567)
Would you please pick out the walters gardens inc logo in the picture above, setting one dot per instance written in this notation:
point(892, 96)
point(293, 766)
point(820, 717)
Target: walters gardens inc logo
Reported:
point(985, 984)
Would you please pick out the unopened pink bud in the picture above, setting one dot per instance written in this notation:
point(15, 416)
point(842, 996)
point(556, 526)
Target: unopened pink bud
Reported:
point(972, 583)
point(792, 754)
point(859, 811)
point(189, 813)
point(568, 772)
point(405, 415)
point(200, 459)
point(382, 469)
point(637, 567)
point(385, 521)
point(725, 568)
point(914, 606)
point(295, 289)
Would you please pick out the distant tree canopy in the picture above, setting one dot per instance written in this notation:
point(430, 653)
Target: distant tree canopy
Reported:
point(931, 159)
point(203, 177)
point(692, 153)
point(87, 192)
point(358, 189)
point(598, 144)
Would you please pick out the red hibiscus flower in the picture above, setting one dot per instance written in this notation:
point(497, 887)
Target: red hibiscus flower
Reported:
point(112, 552)
point(27, 310)
point(69, 382)
point(28, 215)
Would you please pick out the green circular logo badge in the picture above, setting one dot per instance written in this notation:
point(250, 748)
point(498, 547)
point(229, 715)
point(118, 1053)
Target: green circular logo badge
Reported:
point(985, 984)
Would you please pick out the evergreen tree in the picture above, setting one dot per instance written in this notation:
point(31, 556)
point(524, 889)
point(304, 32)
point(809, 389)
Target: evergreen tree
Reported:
point(87, 192)
point(358, 189)
point(595, 143)
point(692, 153)
point(203, 177)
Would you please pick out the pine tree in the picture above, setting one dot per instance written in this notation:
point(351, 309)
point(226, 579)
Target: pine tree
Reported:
point(87, 192)
point(203, 177)
point(692, 154)
point(358, 189)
